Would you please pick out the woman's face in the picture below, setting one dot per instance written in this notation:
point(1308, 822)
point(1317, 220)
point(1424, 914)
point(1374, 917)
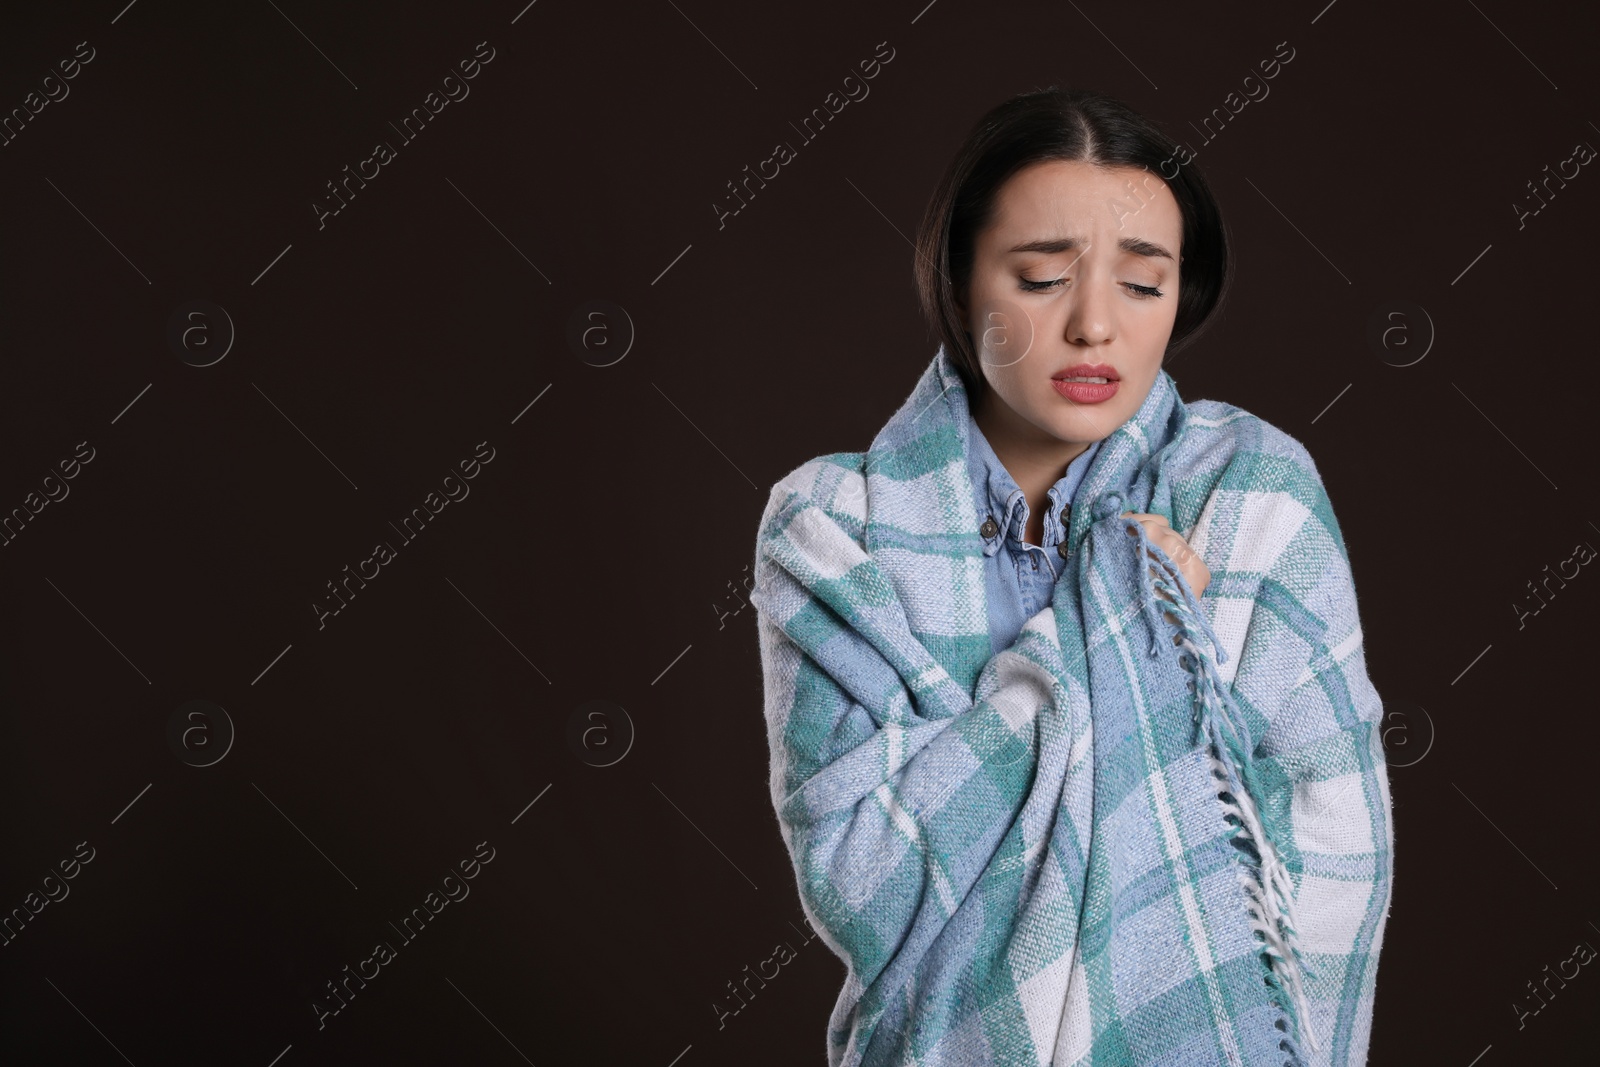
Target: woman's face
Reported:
point(1066, 276)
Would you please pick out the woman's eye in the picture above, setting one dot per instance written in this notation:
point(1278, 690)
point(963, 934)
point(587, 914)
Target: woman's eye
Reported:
point(1037, 287)
point(1030, 286)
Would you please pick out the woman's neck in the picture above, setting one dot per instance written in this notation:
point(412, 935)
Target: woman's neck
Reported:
point(1034, 459)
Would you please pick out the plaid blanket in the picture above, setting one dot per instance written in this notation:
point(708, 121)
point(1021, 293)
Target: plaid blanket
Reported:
point(1156, 829)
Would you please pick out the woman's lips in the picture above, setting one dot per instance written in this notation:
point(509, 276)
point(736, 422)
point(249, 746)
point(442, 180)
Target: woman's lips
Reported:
point(1085, 392)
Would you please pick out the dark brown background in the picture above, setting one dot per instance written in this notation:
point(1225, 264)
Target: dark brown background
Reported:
point(591, 557)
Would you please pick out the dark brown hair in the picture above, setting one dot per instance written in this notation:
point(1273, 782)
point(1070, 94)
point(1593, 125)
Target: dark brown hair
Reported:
point(1080, 125)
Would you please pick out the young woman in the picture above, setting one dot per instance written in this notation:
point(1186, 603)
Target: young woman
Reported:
point(1073, 744)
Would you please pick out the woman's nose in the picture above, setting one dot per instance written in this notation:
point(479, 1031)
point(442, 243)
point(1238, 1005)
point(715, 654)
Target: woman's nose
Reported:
point(1089, 319)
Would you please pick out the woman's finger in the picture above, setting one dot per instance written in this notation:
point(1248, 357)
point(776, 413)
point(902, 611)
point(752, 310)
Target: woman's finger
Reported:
point(1180, 549)
point(1159, 530)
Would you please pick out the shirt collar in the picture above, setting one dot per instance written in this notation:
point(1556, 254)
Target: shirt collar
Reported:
point(998, 497)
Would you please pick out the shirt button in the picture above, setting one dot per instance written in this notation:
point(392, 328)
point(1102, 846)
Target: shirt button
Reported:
point(989, 527)
point(1061, 549)
point(1034, 556)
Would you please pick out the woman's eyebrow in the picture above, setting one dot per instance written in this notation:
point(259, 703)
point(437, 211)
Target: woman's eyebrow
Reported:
point(1052, 245)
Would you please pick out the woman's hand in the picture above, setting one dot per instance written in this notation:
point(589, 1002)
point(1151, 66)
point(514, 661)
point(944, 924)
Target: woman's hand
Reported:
point(1188, 560)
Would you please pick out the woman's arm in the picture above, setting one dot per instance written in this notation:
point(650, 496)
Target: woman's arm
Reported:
point(1316, 717)
point(890, 809)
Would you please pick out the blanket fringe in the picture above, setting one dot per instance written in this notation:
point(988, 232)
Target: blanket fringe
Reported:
point(1272, 894)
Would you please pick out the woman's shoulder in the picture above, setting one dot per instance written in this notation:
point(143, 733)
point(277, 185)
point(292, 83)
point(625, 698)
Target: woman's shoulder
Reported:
point(1220, 432)
point(823, 479)
point(1249, 492)
point(1232, 459)
point(835, 482)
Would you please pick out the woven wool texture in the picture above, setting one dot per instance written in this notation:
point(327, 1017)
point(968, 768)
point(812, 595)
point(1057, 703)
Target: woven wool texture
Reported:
point(1156, 829)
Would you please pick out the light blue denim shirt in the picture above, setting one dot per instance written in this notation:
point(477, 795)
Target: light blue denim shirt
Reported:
point(1020, 577)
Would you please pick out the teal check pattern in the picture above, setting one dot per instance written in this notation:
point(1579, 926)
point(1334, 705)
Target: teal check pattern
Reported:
point(1155, 829)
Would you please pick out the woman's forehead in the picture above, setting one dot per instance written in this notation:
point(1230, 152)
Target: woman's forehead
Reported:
point(1064, 199)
